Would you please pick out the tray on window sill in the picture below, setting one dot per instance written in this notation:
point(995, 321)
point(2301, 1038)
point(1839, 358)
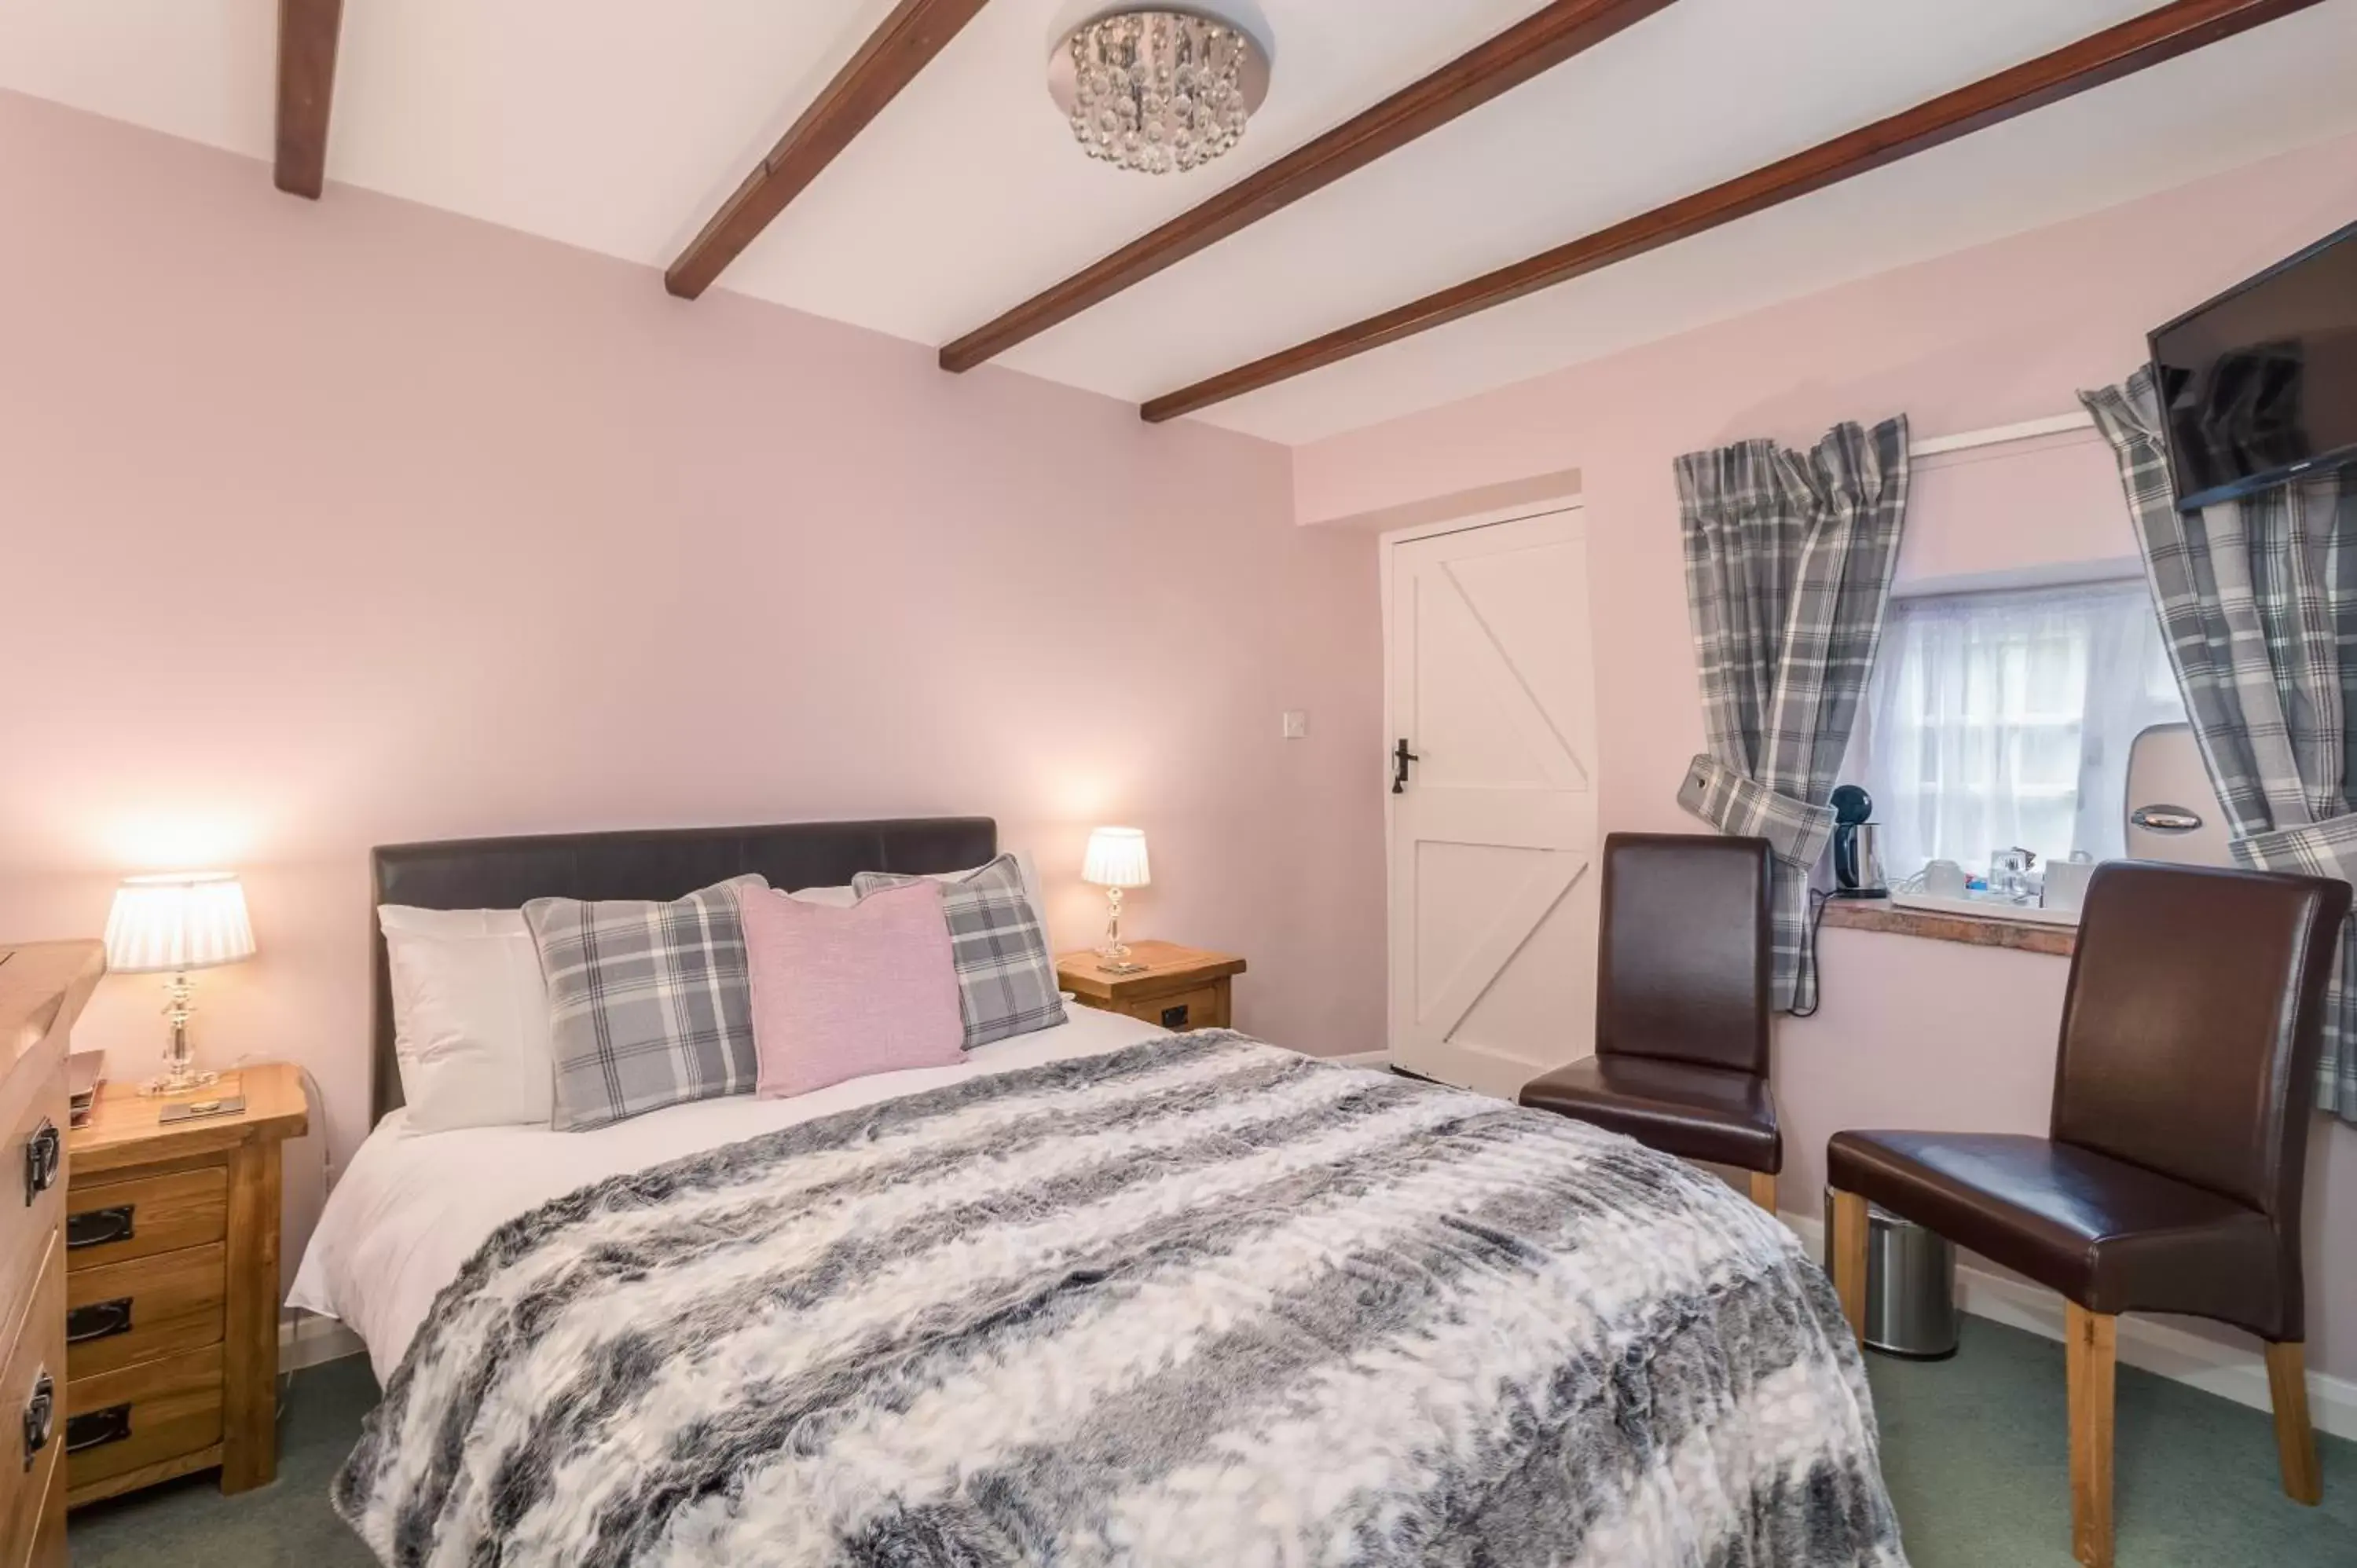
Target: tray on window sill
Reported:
point(1984, 909)
point(1984, 925)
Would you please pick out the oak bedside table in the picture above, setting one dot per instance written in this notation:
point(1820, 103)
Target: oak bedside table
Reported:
point(172, 1287)
point(1180, 988)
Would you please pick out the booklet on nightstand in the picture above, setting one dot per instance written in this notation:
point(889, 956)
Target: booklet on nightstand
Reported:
point(191, 1110)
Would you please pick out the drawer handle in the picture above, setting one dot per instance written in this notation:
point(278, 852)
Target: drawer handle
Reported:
point(97, 1320)
point(99, 1227)
point(97, 1428)
point(1175, 1017)
point(44, 1151)
point(40, 1417)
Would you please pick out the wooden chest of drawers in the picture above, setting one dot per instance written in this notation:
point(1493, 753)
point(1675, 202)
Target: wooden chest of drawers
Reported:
point(42, 989)
point(171, 1289)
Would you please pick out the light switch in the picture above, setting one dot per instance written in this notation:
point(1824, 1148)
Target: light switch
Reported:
point(1297, 724)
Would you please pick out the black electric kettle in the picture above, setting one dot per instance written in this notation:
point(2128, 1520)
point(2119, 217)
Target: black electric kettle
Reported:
point(1857, 859)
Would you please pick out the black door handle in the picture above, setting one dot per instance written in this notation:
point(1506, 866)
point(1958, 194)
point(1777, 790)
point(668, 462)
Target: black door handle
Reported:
point(97, 1320)
point(40, 1416)
point(42, 1154)
point(1401, 758)
point(97, 1428)
point(98, 1227)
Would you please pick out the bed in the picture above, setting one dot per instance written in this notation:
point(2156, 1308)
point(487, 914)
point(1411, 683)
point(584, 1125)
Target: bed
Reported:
point(1100, 1296)
point(410, 1211)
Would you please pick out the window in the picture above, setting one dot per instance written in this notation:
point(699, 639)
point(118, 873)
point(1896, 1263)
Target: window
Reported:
point(2003, 719)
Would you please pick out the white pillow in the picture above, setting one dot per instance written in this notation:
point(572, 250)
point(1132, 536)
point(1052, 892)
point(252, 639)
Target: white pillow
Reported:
point(843, 897)
point(1031, 886)
point(469, 1017)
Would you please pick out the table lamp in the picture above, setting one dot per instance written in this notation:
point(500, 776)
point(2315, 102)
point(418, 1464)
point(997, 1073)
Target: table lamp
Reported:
point(171, 924)
point(1116, 859)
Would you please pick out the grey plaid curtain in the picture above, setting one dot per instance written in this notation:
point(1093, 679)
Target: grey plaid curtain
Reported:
point(2258, 604)
point(1789, 557)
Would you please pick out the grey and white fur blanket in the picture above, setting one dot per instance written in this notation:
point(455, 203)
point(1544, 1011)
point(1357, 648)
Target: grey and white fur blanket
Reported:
point(1198, 1302)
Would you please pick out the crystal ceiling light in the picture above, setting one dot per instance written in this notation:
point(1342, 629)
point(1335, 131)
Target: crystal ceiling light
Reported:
point(1158, 90)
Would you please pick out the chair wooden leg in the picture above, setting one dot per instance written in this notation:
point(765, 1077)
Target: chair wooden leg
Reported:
point(1845, 1254)
point(1763, 1189)
point(2089, 1352)
point(2295, 1438)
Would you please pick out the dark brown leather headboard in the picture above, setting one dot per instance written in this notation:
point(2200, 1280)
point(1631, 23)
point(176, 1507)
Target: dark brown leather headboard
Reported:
point(502, 874)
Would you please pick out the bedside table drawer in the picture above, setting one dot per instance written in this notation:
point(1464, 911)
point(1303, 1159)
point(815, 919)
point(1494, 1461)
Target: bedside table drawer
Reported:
point(136, 1310)
point(109, 1221)
point(1204, 1007)
point(142, 1415)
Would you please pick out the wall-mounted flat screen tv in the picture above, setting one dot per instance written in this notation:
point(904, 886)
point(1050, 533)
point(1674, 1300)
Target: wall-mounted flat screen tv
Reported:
point(2260, 385)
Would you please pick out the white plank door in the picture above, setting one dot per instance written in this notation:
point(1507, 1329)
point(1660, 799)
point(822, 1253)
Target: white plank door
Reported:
point(1491, 682)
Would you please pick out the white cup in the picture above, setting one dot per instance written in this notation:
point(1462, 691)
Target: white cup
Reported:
point(1944, 879)
point(2066, 882)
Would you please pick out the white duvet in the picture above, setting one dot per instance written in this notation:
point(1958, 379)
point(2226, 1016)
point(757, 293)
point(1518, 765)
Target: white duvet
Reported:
point(414, 1207)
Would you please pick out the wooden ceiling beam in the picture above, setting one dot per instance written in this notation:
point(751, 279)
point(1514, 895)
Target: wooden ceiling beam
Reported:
point(903, 46)
point(1538, 43)
point(307, 86)
point(2135, 45)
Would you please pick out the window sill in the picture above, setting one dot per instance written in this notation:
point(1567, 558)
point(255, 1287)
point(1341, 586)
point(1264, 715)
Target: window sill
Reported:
point(1974, 930)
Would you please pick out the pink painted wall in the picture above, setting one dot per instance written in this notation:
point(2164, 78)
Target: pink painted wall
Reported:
point(338, 524)
point(1912, 1033)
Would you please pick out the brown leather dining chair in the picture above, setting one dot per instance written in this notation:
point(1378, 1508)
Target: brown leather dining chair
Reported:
point(1684, 991)
point(2170, 1178)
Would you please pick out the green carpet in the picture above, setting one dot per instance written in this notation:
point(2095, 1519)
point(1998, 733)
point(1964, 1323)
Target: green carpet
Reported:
point(1977, 1454)
point(1974, 1449)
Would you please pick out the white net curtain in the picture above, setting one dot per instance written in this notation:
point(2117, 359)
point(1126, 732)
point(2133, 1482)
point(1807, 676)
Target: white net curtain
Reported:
point(2003, 719)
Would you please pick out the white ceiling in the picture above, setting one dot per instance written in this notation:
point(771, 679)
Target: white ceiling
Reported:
point(618, 125)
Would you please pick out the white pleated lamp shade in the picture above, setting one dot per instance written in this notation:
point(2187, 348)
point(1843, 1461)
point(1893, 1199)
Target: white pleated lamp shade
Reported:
point(187, 919)
point(1116, 858)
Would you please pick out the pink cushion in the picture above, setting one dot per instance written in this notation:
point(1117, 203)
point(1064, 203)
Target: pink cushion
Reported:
point(840, 993)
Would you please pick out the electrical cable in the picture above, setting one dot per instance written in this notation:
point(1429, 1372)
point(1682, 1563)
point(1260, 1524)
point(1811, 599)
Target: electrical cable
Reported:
point(1818, 899)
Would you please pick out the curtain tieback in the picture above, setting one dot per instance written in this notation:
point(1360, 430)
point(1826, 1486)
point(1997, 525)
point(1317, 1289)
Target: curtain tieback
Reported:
point(2327, 848)
point(1796, 830)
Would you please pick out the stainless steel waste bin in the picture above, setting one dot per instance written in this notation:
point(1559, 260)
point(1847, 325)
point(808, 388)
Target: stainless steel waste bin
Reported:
point(1911, 1286)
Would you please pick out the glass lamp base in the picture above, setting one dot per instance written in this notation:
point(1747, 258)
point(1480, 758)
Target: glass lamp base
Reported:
point(181, 1075)
point(187, 1080)
point(1113, 953)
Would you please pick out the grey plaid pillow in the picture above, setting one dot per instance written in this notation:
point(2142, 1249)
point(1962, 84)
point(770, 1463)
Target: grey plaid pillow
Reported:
point(1007, 982)
point(648, 1004)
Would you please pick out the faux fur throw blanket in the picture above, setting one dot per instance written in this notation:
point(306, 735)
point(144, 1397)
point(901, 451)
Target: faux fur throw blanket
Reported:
point(1199, 1302)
